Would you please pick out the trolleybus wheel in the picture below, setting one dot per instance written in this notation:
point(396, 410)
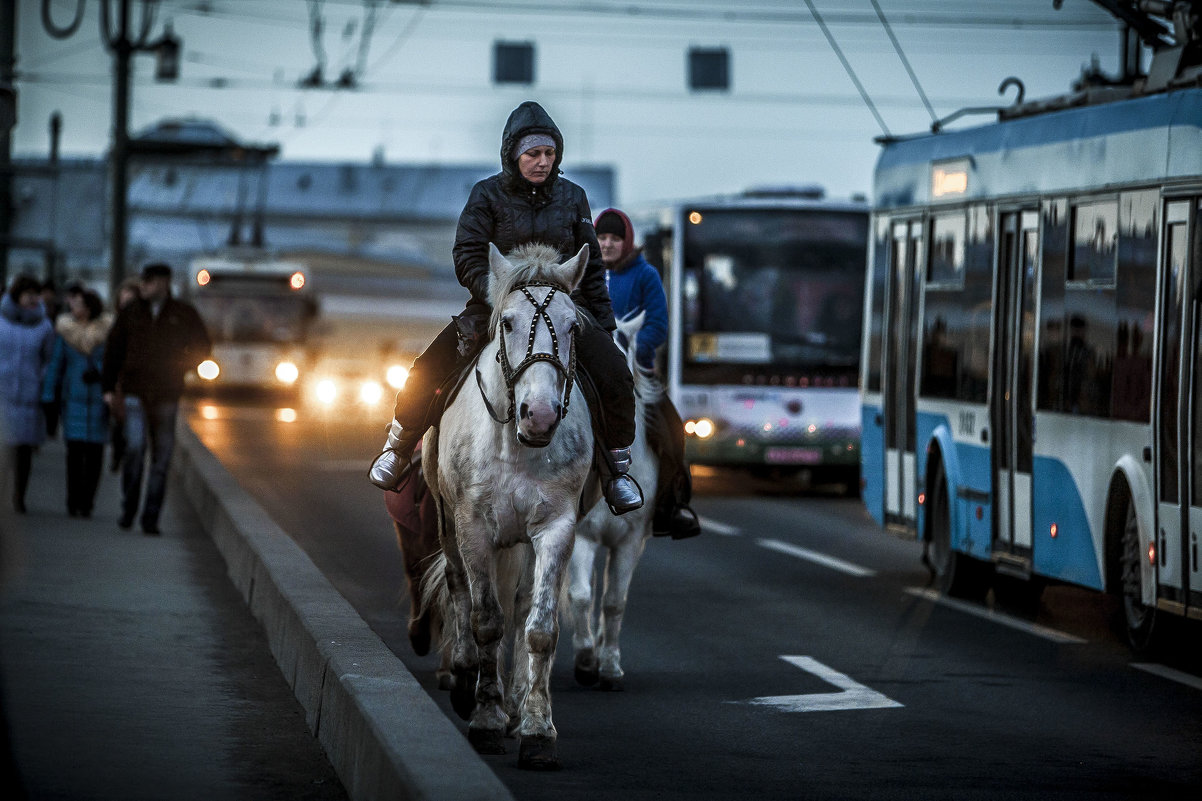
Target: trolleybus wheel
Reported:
point(1139, 619)
point(955, 574)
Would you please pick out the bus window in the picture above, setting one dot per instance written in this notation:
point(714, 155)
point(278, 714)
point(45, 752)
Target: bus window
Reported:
point(1095, 236)
point(946, 266)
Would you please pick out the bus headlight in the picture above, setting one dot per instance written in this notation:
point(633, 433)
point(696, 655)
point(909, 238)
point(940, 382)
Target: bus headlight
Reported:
point(370, 393)
point(286, 373)
point(326, 391)
point(397, 376)
point(208, 370)
point(702, 428)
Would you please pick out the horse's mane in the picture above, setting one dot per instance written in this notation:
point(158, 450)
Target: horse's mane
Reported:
point(647, 387)
point(533, 263)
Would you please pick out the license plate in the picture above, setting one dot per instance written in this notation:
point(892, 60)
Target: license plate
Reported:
point(792, 455)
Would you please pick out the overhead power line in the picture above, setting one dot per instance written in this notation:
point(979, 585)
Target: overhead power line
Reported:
point(905, 61)
point(847, 68)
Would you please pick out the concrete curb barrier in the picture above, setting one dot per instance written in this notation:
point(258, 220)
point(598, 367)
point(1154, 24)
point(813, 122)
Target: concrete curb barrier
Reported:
point(384, 736)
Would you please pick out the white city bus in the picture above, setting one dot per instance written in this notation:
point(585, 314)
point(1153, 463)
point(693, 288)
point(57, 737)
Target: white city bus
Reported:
point(765, 297)
point(258, 311)
point(1033, 350)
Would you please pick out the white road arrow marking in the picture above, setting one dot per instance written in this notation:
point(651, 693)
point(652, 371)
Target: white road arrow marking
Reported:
point(851, 695)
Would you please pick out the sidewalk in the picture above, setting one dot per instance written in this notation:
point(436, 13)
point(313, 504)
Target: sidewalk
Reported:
point(212, 662)
point(132, 668)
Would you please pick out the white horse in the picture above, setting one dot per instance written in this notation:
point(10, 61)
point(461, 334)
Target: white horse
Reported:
point(507, 465)
point(622, 538)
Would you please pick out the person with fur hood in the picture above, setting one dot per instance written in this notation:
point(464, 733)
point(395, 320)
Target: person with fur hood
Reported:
point(72, 384)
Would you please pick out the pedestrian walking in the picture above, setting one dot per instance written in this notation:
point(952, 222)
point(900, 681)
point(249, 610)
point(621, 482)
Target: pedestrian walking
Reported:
point(72, 385)
point(26, 344)
point(154, 342)
point(128, 291)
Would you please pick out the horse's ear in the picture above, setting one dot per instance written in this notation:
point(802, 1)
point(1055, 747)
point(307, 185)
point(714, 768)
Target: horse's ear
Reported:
point(574, 267)
point(498, 267)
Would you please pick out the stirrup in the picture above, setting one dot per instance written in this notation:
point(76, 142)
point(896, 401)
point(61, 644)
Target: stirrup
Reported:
point(623, 494)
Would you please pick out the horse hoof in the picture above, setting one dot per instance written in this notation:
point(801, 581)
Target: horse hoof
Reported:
point(537, 752)
point(419, 636)
point(486, 741)
point(587, 667)
point(463, 695)
point(611, 685)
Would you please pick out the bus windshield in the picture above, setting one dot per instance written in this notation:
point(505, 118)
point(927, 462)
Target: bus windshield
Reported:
point(772, 291)
point(233, 316)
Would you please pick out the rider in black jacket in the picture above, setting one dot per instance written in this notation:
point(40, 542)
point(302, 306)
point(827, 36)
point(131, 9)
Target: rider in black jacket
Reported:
point(528, 201)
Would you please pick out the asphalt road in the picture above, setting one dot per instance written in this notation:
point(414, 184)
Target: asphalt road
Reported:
point(792, 651)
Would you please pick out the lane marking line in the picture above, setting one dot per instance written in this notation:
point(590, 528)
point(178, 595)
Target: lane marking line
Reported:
point(1166, 672)
point(997, 617)
point(851, 695)
point(815, 557)
point(718, 528)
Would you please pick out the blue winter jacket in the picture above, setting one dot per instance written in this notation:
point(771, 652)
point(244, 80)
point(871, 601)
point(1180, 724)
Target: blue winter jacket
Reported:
point(26, 342)
point(635, 286)
point(78, 355)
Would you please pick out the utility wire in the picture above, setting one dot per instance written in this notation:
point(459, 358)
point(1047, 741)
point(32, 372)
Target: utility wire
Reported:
point(847, 67)
point(905, 61)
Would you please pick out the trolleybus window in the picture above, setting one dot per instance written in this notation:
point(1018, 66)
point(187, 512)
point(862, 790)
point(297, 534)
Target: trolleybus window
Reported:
point(1095, 235)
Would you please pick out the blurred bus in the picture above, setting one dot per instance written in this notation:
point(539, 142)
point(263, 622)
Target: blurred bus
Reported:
point(765, 298)
point(259, 312)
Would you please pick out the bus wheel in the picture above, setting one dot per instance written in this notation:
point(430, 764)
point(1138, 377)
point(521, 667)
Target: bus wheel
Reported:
point(954, 573)
point(1139, 618)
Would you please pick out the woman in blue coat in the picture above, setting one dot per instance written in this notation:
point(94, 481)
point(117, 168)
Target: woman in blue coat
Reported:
point(73, 383)
point(26, 341)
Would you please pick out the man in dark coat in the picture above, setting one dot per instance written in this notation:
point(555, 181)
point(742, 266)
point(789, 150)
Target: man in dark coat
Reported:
point(153, 344)
point(528, 201)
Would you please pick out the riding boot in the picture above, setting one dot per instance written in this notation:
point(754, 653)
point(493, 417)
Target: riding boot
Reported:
point(622, 492)
point(395, 462)
point(678, 521)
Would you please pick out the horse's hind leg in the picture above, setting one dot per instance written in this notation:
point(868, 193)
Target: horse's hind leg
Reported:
point(580, 605)
point(552, 549)
point(619, 571)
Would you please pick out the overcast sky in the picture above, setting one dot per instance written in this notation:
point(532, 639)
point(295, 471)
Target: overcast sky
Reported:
point(612, 74)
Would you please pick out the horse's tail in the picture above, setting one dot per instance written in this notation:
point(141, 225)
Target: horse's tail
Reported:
point(436, 598)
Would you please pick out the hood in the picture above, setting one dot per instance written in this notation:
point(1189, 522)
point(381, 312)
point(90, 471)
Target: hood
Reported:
point(19, 314)
point(627, 238)
point(528, 118)
point(85, 336)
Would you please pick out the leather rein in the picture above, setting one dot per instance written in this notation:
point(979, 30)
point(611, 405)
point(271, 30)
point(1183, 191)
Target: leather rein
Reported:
point(511, 373)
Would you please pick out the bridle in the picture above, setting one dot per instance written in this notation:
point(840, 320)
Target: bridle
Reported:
point(511, 373)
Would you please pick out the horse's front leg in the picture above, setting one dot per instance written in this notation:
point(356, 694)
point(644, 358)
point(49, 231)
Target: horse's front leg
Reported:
point(619, 570)
point(464, 661)
point(486, 729)
point(580, 605)
point(552, 550)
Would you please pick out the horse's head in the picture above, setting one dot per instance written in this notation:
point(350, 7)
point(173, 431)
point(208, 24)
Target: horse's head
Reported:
point(534, 322)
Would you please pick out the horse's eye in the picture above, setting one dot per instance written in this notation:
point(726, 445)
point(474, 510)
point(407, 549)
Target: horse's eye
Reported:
point(506, 326)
